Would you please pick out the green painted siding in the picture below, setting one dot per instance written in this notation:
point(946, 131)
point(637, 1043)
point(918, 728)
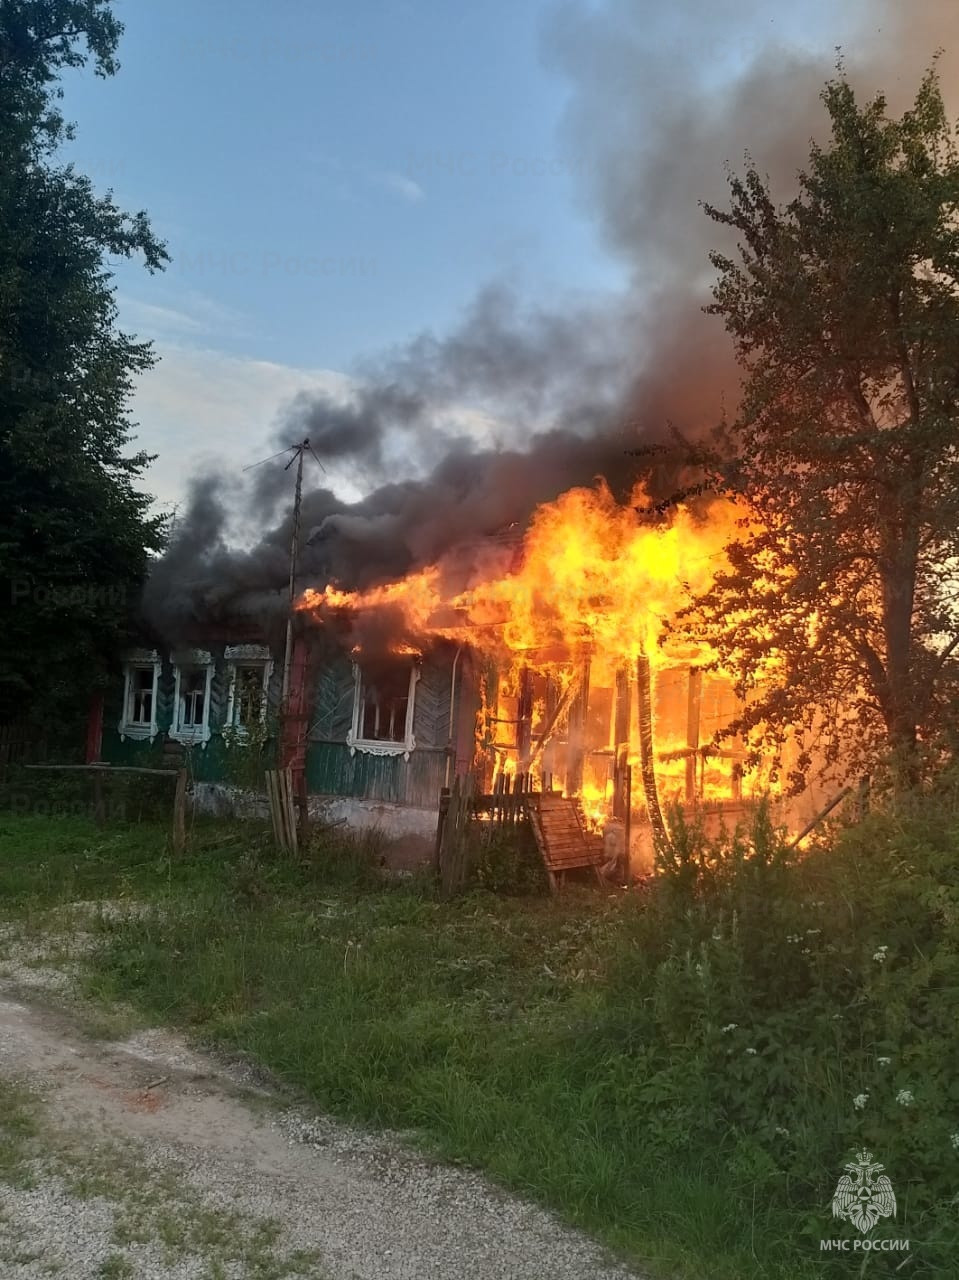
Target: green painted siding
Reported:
point(332, 770)
point(330, 767)
point(212, 761)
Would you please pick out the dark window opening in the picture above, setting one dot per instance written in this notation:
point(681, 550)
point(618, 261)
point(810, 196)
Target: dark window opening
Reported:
point(140, 705)
point(248, 696)
point(384, 704)
point(192, 697)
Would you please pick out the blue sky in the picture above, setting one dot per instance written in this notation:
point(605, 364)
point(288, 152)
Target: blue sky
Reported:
point(331, 180)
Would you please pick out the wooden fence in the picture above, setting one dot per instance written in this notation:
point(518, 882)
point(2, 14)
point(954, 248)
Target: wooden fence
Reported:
point(19, 744)
point(467, 819)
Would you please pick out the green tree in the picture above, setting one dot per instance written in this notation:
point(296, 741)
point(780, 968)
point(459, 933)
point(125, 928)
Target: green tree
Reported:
point(838, 614)
point(75, 532)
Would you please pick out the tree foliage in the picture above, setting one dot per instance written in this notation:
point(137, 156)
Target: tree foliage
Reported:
point(75, 532)
point(838, 612)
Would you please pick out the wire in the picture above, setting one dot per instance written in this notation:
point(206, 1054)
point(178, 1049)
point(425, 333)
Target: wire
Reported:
point(254, 465)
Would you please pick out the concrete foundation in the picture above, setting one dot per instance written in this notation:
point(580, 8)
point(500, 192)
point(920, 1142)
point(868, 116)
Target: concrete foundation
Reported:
point(409, 833)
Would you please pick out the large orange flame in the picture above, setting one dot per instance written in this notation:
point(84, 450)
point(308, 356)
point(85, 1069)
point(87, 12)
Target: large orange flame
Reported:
point(591, 573)
point(591, 579)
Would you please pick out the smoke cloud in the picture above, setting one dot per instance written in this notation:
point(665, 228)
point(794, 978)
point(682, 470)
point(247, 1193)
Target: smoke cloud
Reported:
point(453, 439)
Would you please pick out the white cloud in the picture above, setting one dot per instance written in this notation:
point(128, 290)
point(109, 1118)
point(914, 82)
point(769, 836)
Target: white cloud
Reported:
point(193, 315)
point(200, 407)
point(402, 185)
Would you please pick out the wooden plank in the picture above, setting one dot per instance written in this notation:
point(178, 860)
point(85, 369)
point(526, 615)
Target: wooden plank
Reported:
point(103, 768)
point(563, 843)
point(179, 813)
point(292, 835)
point(272, 795)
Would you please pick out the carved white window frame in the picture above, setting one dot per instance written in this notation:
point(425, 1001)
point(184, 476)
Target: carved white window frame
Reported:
point(246, 655)
point(376, 747)
point(139, 660)
point(194, 659)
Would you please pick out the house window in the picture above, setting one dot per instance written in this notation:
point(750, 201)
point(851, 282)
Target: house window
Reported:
point(192, 698)
point(140, 679)
point(249, 695)
point(383, 709)
point(140, 698)
point(250, 671)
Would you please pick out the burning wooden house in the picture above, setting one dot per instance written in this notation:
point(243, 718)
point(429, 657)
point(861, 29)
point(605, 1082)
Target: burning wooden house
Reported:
point(542, 652)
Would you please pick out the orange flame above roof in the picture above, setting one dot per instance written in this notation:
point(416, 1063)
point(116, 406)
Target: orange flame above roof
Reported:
point(591, 575)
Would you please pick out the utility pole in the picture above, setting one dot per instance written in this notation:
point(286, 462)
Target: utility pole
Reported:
point(300, 449)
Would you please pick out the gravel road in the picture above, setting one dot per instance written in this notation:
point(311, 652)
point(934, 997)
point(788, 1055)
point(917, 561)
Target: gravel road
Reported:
point(154, 1162)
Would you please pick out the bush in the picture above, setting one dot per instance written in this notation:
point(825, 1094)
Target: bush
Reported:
point(508, 862)
point(787, 1011)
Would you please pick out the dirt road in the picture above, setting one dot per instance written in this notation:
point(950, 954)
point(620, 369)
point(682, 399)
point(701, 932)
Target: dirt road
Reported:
point(152, 1162)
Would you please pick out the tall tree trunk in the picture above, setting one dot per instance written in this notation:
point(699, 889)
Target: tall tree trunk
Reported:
point(898, 602)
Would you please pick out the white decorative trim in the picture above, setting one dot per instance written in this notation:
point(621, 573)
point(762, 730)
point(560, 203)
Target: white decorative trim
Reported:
point(246, 655)
point(194, 658)
point(139, 660)
point(378, 747)
point(141, 657)
point(191, 657)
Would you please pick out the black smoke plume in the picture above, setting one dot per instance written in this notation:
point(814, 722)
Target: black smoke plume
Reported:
point(454, 439)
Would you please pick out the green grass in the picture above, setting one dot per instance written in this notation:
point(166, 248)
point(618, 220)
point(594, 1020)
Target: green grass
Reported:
point(18, 1130)
point(555, 1043)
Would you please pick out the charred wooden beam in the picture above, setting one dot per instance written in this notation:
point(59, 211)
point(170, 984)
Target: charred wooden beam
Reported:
point(576, 738)
point(621, 742)
point(555, 708)
point(693, 713)
point(524, 716)
point(647, 759)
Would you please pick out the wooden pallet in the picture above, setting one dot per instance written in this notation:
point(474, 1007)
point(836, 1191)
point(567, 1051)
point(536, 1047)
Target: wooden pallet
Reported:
point(563, 841)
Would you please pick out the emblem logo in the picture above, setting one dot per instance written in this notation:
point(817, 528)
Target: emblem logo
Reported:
point(861, 1196)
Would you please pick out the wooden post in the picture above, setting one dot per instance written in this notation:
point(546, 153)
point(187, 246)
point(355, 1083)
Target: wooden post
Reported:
point(576, 739)
point(179, 813)
point(647, 759)
point(303, 809)
point(95, 728)
point(545, 748)
point(693, 715)
point(628, 822)
point(440, 824)
point(99, 809)
point(524, 717)
point(620, 742)
point(863, 796)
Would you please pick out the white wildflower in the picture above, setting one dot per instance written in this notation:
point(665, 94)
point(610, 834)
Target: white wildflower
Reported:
point(880, 955)
point(752, 1052)
point(884, 1062)
point(781, 1132)
point(905, 1098)
point(955, 1141)
point(730, 1026)
point(860, 1100)
point(812, 932)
